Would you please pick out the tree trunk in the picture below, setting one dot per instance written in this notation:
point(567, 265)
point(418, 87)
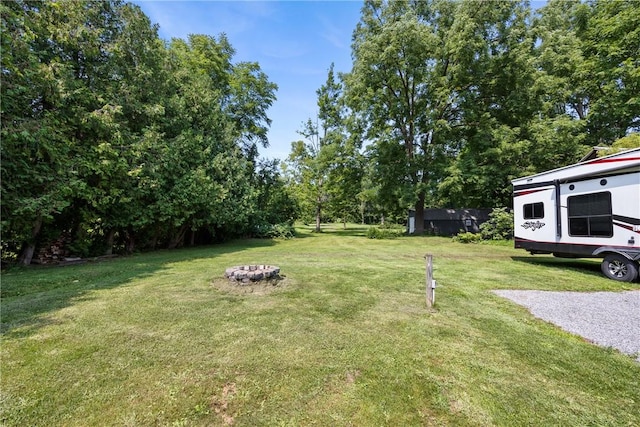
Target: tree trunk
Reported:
point(419, 218)
point(177, 238)
point(26, 254)
point(130, 244)
point(29, 247)
point(318, 215)
point(155, 238)
point(110, 235)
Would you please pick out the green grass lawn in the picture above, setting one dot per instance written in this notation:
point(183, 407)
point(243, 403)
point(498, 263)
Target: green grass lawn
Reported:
point(344, 339)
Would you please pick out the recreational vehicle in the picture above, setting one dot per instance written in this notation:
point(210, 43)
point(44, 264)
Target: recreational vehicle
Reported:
point(587, 210)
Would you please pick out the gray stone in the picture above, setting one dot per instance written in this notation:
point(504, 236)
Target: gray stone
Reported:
point(253, 273)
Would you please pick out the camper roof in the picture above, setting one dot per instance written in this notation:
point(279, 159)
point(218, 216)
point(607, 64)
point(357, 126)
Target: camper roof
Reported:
point(629, 159)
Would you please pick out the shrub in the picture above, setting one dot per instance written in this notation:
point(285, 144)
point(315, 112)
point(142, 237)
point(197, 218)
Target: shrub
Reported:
point(384, 232)
point(499, 226)
point(274, 231)
point(467, 237)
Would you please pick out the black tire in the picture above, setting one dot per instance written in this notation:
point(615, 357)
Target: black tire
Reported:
point(619, 268)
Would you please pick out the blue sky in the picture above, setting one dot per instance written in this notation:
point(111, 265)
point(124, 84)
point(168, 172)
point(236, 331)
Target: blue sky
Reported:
point(294, 42)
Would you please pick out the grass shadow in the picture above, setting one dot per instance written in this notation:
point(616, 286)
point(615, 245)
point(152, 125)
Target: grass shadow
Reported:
point(353, 230)
point(338, 229)
point(27, 294)
point(581, 265)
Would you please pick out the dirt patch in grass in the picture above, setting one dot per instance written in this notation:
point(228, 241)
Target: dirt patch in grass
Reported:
point(220, 404)
point(262, 287)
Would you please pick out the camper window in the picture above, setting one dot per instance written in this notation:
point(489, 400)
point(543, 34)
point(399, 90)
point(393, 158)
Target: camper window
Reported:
point(534, 210)
point(590, 215)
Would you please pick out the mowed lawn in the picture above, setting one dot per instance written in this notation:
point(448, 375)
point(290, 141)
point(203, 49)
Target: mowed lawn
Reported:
point(344, 339)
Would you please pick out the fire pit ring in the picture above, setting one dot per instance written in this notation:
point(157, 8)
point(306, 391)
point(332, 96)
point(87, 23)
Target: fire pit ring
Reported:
point(243, 274)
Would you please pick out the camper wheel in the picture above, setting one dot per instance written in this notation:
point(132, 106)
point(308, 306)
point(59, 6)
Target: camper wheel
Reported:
point(617, 267)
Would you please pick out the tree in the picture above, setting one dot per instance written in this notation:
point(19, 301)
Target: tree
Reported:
point(342, 142)
point(588, 75)
point(386, 182)
point(326, 170)
point(628, 142)
point(344, 184)
point(98, 114)
point(54, 75)
point(135, 106)
point(216, 113)
point(250, 96)
point(307, 173)
point(275, 203)
point(611, 70)
point(493, 75)
point(400, 84)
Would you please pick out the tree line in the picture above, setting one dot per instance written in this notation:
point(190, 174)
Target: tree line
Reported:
point(115, 140)
point(118, 141)
point(447, 101)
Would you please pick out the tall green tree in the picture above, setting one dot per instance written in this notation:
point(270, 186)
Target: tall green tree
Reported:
point(217, 114)
point(386, 183)
point(611, 70)
point(454, 83)
point(587, 84)
point(558, 131)
point(307, 173)
point(55, 73)
point(400, 85)
point(275, 203)
point(342, 142)
point(326, 169)
point(136, 96)
point(107, 130)
point(493, 75)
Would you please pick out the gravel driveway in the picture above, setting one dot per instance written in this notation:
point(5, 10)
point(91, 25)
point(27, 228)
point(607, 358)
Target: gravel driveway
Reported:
point(609, 319)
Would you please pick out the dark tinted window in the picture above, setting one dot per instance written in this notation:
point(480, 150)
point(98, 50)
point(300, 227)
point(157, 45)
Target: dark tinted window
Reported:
point(534, 210)
point(590, 215)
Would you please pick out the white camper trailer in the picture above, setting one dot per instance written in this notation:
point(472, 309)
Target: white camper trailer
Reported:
point(587, 210)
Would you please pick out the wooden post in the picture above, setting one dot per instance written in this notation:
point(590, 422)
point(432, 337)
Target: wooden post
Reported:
point(430, 285)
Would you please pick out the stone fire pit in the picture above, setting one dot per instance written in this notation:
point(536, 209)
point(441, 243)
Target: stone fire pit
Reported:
point(243, 274)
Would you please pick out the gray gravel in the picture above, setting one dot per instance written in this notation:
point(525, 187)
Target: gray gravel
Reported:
point(609, 319)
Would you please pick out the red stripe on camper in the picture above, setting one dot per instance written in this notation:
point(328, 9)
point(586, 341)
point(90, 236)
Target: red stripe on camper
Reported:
point(627, 227)
point(628, 159)
point(524, 193)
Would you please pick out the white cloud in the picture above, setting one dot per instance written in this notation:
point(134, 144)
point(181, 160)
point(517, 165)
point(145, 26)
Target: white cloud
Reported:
point(335, 35)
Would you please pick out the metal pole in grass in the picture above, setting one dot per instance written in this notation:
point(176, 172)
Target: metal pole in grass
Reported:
point(431, 283)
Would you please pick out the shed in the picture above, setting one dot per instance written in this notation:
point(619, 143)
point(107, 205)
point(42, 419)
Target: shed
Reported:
point(449, 222)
